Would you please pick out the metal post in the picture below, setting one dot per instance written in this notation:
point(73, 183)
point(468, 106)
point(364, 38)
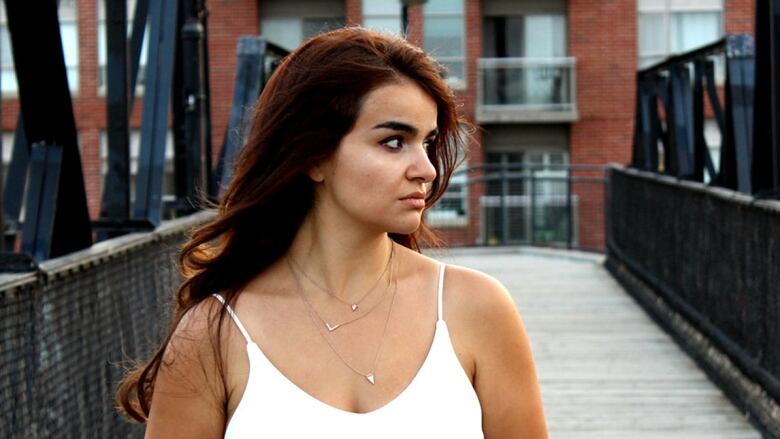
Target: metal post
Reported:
point(43, 91)
point(699, 143)
point(17, 173)
point(533, 205)
point(45, 167)
point(570, 210)
point(680, 122)
point(116, 193)
point(504, 209)
point(766, 149)
point(736, 156)
point(192, 146)
point(140, 15)
point(249, 81)
point(154, 126)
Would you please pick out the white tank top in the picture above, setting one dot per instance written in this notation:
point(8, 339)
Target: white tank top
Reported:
point(439, 402)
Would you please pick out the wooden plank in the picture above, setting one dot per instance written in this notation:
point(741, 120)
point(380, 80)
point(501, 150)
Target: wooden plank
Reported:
point(605, 369)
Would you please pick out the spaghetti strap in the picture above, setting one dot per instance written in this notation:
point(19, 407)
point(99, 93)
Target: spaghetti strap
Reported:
point(441, 290)
point(234, 317)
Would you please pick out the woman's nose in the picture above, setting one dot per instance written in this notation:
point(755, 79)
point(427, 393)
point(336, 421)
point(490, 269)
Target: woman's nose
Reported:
point(421, 168)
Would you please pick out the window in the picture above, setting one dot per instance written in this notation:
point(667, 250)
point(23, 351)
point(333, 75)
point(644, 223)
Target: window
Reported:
point(525, 200)
point(452, 209)
point(8, 149)
point(531, 36)
point(103, 51)
point(169, 190)
point(290, 32)
point(383, 15)
point(445, 38)
point(668, 27)
point(70, 47)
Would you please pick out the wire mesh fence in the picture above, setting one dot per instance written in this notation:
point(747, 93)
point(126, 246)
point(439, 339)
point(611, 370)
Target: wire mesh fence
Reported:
point(70, 328)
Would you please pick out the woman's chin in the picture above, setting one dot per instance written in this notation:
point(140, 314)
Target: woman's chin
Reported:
point(406, 227)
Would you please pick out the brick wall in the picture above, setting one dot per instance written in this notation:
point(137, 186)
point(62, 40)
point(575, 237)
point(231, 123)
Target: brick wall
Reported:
point(466, 99)
point(354, 12)
point(740, 16)
point(603, 39)
point(228, 20)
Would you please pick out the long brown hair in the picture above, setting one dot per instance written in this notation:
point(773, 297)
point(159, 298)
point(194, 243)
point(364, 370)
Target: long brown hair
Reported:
point(308, 105)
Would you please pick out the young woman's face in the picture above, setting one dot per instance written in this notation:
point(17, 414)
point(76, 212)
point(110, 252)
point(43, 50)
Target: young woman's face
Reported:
point(380, 173)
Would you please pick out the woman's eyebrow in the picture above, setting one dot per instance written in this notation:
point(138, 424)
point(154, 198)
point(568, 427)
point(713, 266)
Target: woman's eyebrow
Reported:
point(405, 127)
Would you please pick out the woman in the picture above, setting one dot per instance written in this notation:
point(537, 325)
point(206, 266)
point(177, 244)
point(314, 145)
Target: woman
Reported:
point(327, 321)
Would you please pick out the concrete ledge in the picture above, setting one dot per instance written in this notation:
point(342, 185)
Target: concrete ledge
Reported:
point(749, 397)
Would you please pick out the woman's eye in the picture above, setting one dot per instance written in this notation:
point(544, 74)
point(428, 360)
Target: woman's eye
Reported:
point(394, 143)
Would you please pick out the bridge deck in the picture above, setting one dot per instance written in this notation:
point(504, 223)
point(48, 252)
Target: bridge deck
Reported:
point(606, 370)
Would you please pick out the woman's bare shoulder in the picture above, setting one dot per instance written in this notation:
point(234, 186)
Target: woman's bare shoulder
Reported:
point(188, 390)
point(475, 296)
point(486, 323)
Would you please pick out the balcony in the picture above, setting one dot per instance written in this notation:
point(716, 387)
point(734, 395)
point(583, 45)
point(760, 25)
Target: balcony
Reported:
point(526, 90)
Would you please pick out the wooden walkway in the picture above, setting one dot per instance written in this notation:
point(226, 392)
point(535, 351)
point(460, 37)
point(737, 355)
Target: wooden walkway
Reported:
point(606, 370)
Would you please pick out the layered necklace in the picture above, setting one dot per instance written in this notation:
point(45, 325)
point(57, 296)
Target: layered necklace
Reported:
point(295, 269)
point(353, 305)
point(370, 376)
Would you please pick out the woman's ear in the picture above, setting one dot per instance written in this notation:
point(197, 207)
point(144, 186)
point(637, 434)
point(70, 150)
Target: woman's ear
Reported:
point(316, 174)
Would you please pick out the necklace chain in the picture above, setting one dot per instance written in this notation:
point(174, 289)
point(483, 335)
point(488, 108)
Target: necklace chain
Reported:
point(353, 305)
point(327, 324)
point(370, 376)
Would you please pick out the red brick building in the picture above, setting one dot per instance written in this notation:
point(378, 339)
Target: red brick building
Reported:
point(548, 81)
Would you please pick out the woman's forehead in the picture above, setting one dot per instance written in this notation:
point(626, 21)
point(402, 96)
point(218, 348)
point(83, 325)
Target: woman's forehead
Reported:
point(404, 102)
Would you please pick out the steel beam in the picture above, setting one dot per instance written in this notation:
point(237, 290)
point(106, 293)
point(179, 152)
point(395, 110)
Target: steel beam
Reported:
point(766, 165)
point(736, 155)
point(248, 83)
point(190, 110)
point(679, 121)
point(13, 191)
point(154, 124)
point(116, 194)
point(47, 110)
point(45, 169)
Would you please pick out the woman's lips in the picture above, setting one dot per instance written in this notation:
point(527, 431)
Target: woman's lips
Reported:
point(417, 203)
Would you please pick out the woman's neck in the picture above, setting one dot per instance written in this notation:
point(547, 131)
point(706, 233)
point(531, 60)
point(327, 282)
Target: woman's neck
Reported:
point(343, 260)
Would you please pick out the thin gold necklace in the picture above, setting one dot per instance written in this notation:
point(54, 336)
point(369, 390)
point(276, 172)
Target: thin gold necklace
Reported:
point(353, 305)
point(371, 375)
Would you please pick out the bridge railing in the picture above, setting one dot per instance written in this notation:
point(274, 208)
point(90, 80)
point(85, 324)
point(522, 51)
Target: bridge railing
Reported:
point(69, 327)
point(713, 256)
point(522, 203)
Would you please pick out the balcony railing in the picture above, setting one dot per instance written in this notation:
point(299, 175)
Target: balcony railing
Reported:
point(526, 90)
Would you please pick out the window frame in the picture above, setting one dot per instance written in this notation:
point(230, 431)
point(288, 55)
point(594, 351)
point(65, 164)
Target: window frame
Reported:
point(458, 83)
point(397, 16)
point(667, 11)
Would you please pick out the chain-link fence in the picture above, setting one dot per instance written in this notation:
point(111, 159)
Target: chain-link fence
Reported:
point(69, 329)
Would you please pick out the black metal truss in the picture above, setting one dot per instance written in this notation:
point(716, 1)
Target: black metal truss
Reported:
point(681, 130)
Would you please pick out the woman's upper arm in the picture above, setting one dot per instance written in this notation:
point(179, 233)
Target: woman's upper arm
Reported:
point(188, 398)
point(505, 376)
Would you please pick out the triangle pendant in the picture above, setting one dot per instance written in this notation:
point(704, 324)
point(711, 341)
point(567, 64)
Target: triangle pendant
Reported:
point(333, 327)
point(354, 306)
point(370, 378)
